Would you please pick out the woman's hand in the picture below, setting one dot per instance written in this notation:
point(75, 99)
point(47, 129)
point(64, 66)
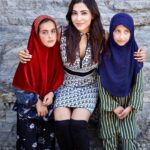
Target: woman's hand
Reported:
point(48, 99)
point(24, 56)
point(140, 55)
point(42, 110)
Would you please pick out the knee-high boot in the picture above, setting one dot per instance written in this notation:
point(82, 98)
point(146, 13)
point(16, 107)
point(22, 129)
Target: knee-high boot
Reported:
point(80, 135)
point(63, 135)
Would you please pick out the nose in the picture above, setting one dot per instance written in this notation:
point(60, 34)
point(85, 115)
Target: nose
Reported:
point(79, 17)
point(122, 36)
point(49, 35)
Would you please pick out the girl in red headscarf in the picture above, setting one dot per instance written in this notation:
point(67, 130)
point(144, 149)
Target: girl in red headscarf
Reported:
point(35, 83)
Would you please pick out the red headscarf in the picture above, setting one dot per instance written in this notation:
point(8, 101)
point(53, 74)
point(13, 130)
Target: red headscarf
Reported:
point(44, 73)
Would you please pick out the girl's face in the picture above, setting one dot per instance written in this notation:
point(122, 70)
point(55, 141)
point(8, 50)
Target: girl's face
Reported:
point(48, 34)
point(121, 35)
point(81, 17)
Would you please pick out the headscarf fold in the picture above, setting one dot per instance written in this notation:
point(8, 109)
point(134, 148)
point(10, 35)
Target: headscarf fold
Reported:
point(119, 71)
point(44, 73)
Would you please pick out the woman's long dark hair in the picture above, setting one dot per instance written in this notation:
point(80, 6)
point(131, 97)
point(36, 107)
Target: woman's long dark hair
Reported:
point(97, 33)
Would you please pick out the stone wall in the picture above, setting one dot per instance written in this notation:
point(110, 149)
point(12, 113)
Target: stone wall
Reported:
point(15, 20)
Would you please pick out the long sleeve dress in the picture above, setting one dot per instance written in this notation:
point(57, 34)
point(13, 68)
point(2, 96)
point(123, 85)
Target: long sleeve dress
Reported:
point(110, 125)
point(79, 89)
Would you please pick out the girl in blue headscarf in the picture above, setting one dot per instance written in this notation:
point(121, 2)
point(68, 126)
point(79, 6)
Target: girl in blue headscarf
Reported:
point(120, 86)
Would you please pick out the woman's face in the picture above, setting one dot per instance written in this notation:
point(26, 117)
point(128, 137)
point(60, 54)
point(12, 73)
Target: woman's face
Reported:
point(48, 34)
point(81, 17)
point(121, 35)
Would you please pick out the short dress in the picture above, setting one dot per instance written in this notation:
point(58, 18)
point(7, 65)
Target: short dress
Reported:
point(79, 89)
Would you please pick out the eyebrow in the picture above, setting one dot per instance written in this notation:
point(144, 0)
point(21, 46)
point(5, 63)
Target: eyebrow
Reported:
point(81, 10)
point(47, 30)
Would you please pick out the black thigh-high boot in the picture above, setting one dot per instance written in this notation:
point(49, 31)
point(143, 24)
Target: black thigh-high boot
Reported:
point(80, 135)
point(63, 135)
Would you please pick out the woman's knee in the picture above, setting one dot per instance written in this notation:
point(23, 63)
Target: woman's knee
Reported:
point(80, 114)
point(62, 113)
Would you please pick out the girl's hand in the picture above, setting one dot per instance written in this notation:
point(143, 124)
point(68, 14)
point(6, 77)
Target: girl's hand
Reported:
point(24, 56)
point(118, 110)
point(42, 110)
point(48, 99)
point(125, 113)
point(140, 55)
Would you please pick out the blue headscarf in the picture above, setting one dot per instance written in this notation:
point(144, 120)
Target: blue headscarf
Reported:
point(119, 71)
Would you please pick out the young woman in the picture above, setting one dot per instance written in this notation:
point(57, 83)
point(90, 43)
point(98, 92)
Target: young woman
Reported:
point(81, 43)
point(35, 83)
point(120, 86)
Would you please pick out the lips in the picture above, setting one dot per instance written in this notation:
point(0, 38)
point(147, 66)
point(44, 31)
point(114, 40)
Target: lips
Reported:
point(50, 41)
point(121, 43)
point(79, 24)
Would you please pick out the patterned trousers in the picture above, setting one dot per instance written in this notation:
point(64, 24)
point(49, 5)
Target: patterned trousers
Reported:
point(116, 143)
point(33, 134)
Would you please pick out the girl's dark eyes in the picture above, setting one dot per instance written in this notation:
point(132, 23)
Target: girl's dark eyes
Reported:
point(126, 31)
point(47, 32)
point(117, 31)
point(53, 31)
point(44, 32)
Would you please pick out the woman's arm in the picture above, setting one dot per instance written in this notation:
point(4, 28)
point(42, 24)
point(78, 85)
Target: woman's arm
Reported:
point(140, 55)
point(24, 56)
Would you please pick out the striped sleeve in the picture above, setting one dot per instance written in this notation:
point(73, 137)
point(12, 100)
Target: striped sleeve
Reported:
point(137, 94)
point(107, 103)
